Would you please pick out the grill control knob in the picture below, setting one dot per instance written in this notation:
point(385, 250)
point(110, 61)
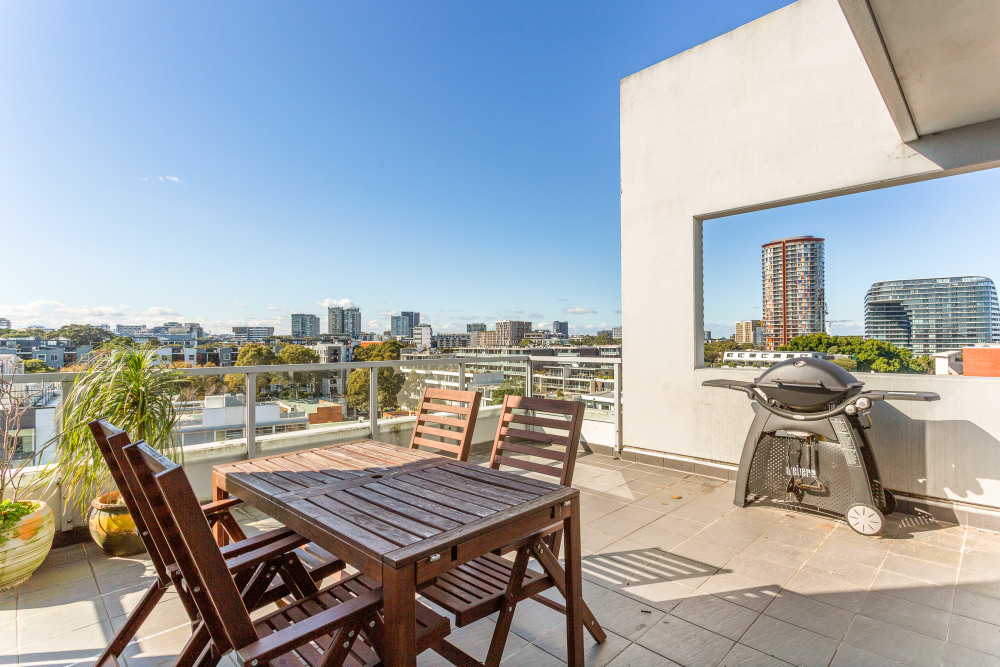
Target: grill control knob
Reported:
point(864, 403)
point(851, 410)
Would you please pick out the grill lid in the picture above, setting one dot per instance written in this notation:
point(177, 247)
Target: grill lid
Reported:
point(808, 384)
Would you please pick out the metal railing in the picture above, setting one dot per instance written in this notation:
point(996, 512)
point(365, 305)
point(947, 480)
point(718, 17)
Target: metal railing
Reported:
point(66, 380)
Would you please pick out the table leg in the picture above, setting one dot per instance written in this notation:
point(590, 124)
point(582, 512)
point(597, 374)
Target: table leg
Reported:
point(219, 493)
point(574, 585)
point(399, 595)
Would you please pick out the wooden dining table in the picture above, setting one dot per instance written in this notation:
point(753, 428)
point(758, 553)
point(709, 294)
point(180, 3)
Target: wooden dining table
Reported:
point(403, 517)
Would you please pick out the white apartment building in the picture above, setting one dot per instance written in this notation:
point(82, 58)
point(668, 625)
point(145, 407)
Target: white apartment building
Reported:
point(224, 418)
point(130, 329)
point(252, 334)
point(767, 358)
point(422, 336)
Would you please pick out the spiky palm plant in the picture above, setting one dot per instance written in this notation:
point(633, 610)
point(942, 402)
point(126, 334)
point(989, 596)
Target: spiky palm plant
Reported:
point(131, 388)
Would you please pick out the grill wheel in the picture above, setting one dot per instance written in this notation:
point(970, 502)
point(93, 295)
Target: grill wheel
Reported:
point(865, 519)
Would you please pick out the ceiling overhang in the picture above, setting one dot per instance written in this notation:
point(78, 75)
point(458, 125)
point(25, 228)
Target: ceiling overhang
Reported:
point(936, 64)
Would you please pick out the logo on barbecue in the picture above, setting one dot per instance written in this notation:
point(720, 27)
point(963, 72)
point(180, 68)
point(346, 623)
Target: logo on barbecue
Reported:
point(795, 471)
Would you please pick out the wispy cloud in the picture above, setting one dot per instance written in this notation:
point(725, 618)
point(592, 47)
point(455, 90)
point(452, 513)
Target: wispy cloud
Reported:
point(278, 309)
point(386, 313)
point(51, 313)
point(374, 324)
point(161, 179)
point(336, 303)
point(579, 311)
point(239, 305)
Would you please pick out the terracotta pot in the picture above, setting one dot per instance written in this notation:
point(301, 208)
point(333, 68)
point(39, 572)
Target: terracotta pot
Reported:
point(27, 547)
point(112, 526)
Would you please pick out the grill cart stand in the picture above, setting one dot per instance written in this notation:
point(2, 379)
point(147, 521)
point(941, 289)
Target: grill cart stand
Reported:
point(807, 446)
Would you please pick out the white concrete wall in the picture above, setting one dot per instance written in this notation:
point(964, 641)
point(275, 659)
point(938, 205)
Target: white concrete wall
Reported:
point(780, 111)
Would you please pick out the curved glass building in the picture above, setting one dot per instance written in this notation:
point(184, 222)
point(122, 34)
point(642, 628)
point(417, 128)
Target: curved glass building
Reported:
point(928, 315)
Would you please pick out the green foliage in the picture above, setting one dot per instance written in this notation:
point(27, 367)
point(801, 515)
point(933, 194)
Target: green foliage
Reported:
point(23, 333)
point(874, 355)
point(507, 387)
point(83, 334)
point(118, 341)
point(252, 354)
point(599, 339)
point(715, 351)
point(822, 342)
point(847, 364)
point(385, 351)
point(37, 366)
point(197, 387)
point(299, 354)
point(390, 381)
point(131, 388)
point(525, 343)
point(11, 512)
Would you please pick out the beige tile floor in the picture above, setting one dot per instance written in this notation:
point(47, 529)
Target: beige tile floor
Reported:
point(689, 580)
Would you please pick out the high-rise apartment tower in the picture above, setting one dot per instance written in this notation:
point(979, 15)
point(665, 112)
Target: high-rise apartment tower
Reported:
point(749, 332)
point(929, 315)
point(343, 321)
point(794, 291)
point(305, 325)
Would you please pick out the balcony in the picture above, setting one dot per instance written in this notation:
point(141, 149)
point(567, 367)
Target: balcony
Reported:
point(672, 569)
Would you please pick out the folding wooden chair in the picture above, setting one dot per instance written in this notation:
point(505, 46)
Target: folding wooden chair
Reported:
point(491, 583)
point(320, 629)
point(445, 421)
point(243, 556)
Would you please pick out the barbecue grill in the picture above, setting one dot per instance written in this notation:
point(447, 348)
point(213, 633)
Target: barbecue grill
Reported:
point(807, 446)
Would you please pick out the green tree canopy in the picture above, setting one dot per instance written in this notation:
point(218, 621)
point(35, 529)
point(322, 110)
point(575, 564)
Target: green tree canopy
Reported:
point(251, 354)
point(118, 341)
point(714, 351)
point(23, 333)
point(870, 355)
point(37, 366)
point(390, 380)
point(83, 334)
point(507, 387)
point(299, 354)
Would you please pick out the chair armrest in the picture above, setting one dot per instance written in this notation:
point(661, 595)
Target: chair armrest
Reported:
point(317, 625)
point(256, 542)
point(266, 552)
point(219, 506)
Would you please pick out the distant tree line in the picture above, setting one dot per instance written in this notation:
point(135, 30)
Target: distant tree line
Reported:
point(866, 355)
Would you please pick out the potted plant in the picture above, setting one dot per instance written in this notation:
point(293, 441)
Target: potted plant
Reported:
point(131, 387)
point(26, 526)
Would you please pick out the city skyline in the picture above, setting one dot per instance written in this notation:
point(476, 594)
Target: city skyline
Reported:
point(197, 153)
point(285, 326)
point(901, 233)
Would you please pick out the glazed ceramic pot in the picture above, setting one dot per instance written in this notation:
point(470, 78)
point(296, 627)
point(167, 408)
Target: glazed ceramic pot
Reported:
point(112, 526)
point(26, 546)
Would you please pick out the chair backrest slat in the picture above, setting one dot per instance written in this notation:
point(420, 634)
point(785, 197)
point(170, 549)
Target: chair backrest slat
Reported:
point(451, 431)
point(194, 549)
point(111, 440)
point(514, 436)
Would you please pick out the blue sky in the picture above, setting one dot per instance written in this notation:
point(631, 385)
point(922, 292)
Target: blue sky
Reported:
point(943, 227)
point(232, 163)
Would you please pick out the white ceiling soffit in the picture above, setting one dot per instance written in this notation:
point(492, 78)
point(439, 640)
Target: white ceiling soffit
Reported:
point(936, 62)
